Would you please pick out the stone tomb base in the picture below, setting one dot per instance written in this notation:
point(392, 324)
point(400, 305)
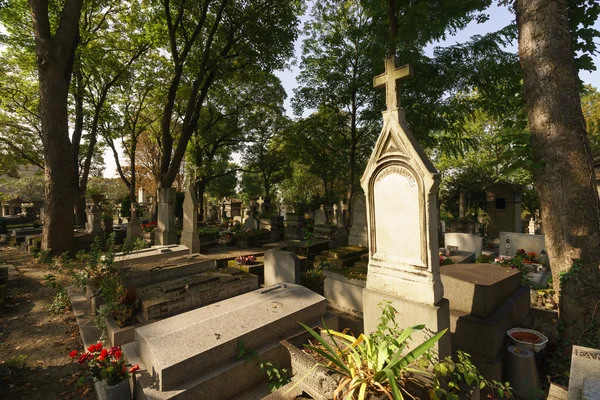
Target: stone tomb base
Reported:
point(153, 254)
point(486, 300)
point(162, 270)
point(193, 355)
point(410, 313)
point(184, 294)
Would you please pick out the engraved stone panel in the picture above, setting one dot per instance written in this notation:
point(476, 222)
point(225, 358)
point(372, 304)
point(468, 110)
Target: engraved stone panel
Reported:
point(397, 215)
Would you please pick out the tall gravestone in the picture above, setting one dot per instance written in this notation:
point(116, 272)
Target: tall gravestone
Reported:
point(400, 185)
point(189, 235)
point(166, 232)
point(358, 229)
point(134, 230)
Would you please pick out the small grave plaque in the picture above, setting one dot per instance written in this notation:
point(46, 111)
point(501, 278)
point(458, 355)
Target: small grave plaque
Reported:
point(585, 367)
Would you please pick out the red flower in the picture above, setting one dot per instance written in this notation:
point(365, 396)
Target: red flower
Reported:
point(118, 354)
point(92, 348)
point(103, 355)
point(73, 354)
point(83, 358)
point(134, 368)
point(98, 346)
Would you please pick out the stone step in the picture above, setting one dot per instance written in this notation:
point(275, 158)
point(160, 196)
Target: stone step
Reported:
point(191, 344)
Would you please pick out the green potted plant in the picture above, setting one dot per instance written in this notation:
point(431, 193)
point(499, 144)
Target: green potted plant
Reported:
point(370, 366)
point(107, 366)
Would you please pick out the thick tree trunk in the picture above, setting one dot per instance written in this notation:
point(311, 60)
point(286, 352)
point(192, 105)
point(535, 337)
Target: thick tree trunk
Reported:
point(60, 183)
point(565, 183)
point(54, 57)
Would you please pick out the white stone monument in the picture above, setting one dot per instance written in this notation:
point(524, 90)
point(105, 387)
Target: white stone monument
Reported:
point(141, 195)
point(189, 235)
point(400, 185)
point(166, 232)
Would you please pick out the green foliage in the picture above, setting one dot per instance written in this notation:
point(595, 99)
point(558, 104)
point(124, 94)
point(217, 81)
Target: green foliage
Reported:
point(60, 301)
point(277, 376)
point(27, 188)
point(456, 380)
point(377, 363)
point(16, 363)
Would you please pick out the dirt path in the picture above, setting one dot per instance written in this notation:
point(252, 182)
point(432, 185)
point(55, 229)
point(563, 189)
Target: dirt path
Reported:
point(34, 344)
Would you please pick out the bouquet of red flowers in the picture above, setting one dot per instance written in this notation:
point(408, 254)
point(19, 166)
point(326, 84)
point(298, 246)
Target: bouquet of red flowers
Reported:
point(149, 227)
point(104, 364)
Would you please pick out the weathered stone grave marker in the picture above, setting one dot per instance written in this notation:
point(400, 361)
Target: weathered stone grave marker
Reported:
point(358, 229)
point(400, 185)
point(189, 236)
point(166, 232)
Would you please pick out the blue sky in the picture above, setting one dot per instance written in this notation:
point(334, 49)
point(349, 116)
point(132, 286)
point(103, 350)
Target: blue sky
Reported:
point(499, 18)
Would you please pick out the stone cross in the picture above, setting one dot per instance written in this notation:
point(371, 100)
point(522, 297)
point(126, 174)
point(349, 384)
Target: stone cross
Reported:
point(391, 80)
point(260, 203)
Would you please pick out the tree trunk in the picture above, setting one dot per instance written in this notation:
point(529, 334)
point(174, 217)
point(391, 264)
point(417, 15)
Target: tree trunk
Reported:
point(54, 57)
point(565, 183)
point(60, 183)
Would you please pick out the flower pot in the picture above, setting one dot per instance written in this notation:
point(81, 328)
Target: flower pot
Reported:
point(120, 391)
point(148, 237)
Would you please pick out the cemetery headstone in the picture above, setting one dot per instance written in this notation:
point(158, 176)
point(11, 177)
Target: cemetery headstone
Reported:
point(166, 232)
point(94, 219)
point(358, 229)
point(294, 224)
point(320, 216)
point(585, 373)
point(510, 242)
point(503, 208)
point(465, 242)
point(531, 226)
point(251, 223)
point(400, 185)
point(281, 266)
point(141, 195)
point(134, 230)
point(189, 235)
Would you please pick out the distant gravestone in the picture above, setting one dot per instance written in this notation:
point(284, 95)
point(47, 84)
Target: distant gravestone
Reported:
point(281, 266)
point(251, 223)
point(134, 230)
point(320, 216)
point(465, 242)
point(585, 374)
point(189, 235)
point(400, 185)
point(510, 242)
point(358, 229)
point(166, 231)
